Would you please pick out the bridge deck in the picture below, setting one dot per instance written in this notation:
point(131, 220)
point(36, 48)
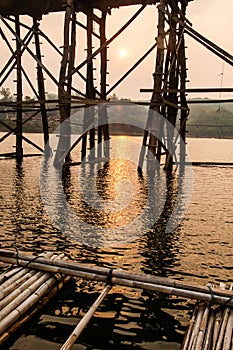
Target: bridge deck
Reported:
point(38, 8)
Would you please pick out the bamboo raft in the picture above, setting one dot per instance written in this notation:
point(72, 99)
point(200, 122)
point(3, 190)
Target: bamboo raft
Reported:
point(211, 327)
point(23, 292)
point(29, 285)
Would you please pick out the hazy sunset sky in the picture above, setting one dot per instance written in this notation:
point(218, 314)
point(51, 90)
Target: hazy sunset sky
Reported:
point(212, 18)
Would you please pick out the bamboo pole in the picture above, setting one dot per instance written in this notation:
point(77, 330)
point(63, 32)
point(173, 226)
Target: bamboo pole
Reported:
point(228, 333)
point(222, 329)
point(19, 294)
point(24, 295)
point(17, 278)
point(84, 321)
point(76, 268)
point(153, 283)
point(11, 280)
point(209, 332)
point(217, 324)
point(7, 274)
point(41, 303)
point(202, 330)
point(18, 291)
point(17, 303)
point(14, 285)
point(22, 308)
point(190, 329)
point(196, 328)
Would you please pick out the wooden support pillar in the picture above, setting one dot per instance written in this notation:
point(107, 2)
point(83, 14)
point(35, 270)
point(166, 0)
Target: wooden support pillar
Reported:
point(183, 77)
point(90, 91)
point(172, 79)
point(40, 81)
point(103, 131)
point(169, 80)
point(19, 111)
point(64, 89)
point(153, 124)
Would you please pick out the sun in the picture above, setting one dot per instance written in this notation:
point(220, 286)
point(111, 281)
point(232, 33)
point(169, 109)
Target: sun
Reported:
point(123, 53)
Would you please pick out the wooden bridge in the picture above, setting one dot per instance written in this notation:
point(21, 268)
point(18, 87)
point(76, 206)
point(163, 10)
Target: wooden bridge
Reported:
point(170, 74)
point(211, 325)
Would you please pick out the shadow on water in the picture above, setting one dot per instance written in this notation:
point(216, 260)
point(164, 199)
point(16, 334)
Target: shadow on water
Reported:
point(121, 322)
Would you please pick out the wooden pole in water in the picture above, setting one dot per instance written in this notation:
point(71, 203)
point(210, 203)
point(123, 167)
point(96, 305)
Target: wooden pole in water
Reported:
point(172, 81)
point(84, 321)
point(103, 131)
point(19, 111)
point(90, 92)
point(40, 82)
point(154, 147)
point(64, 87)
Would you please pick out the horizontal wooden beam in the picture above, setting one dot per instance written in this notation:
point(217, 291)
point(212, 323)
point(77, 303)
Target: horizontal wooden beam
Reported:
point(190, 90)
point(210, 125)
point(39, 8)
point(207, 101)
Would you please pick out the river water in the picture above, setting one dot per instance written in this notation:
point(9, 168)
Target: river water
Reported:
point(198, 250)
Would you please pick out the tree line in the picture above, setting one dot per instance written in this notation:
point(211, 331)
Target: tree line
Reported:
point(205, 120)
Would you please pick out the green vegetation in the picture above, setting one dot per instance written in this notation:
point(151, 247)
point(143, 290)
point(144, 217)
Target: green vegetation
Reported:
point(211, 120)
point(205, 120)
point(34, 125)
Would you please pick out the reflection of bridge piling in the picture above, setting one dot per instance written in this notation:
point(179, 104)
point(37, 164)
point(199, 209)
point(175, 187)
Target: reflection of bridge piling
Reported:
point(169, 78)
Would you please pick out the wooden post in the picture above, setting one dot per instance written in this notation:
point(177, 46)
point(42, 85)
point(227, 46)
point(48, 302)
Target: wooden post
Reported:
point(156, 99)
point(40, 81)
point(19, 111)
point(172, 79)
point(90, 91)
point(63, 91)
point(104, 129)
point(183, 77)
